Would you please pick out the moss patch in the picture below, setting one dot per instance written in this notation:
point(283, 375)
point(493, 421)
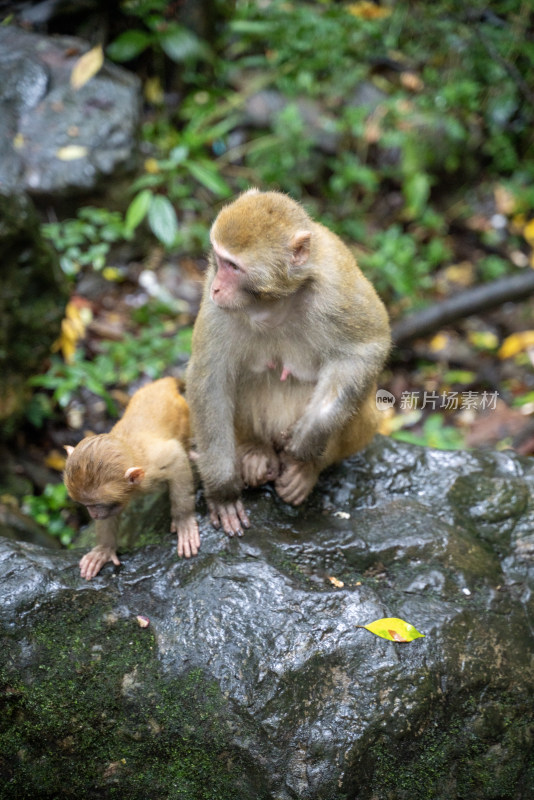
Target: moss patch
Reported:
point(86, 712)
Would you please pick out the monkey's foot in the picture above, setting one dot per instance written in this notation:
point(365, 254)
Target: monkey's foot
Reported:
point(232, 517)
point(188, 536)
point(258, 464)
point(296, 480)
point(92, 562)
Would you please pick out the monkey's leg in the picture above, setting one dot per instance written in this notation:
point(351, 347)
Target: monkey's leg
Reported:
point(259, 464)
point(232, 516)
point(296, 479)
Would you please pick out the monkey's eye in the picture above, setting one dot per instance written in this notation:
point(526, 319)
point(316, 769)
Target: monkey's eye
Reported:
point(231, 265)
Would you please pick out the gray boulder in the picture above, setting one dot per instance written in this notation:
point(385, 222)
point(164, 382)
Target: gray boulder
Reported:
point(42, 116)
point(253, 678)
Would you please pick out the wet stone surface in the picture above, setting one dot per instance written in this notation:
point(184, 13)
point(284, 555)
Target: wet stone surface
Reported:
point(253, 679)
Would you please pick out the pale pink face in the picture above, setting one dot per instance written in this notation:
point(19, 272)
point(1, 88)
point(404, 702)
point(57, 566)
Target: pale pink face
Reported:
point(227, 287)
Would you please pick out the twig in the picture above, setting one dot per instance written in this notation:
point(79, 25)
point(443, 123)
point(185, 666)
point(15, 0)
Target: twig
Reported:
point(473, 301)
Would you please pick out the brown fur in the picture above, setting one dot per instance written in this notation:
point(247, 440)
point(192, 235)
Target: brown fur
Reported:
point(287, 348)
point(146, 447)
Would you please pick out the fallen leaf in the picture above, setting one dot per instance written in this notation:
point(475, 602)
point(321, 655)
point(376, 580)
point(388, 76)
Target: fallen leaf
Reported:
point(367, 10)
point(55, 460)
point(71, 152)
point(528, 232)
point(142, 621)
point(505, 202)
point(73, 327)
point(335, 582)
point(394, 629)
point(86, 67)
point(516, 343)
point(412, 82)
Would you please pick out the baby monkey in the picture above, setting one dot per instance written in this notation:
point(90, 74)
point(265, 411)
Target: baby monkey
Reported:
point(146, 447)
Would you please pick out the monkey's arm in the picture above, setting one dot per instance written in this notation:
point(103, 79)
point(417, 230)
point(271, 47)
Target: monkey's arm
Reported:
point(174, 465)
point(342, 385)
point(105, 549)
point(211, 395)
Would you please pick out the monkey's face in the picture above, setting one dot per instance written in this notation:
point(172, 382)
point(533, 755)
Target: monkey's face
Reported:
point(104, 510)
point(228, 286)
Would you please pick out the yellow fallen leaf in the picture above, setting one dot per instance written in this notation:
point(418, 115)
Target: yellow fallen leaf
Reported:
point(55, 460)
point(505, 202)
point(18, 141)
point(439, 342)
point(335, 582)
point(86, 67)
point(394, 629)
point(412, 82)
point(71, 152)
point(528, 232)
point(367, 10)
point(151, 166)
point(516, 343)
point(154, 91)
point(483, 340)
point(73, 327)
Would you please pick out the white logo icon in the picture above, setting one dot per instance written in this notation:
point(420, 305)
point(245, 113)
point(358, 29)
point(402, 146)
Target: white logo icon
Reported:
point(384, 400)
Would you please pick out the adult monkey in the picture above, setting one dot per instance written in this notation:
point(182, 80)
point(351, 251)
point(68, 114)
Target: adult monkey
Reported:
point(287, 347)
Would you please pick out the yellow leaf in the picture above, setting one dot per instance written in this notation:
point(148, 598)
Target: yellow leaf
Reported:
point(528, 232)
point(439, 342)
point(505, 201)
point(412, 82)
point(86, 67)
point(151, 166)
point(516, 343)
point(367, 10)
point(335, 582)
point(55, 460)
point(394, 629)
point(18, 141)
point(71, 152)
point(73, 328)
point(154, 91)
point(483, 340)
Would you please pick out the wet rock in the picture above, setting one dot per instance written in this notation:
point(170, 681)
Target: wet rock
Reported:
point(53, 138)
point(252, 678)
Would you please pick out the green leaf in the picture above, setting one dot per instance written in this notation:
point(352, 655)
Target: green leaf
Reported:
point(208, 178)
point(181, 44)
point(138, 209)
point(128, 45)
point(162, 220)
point(394, 629)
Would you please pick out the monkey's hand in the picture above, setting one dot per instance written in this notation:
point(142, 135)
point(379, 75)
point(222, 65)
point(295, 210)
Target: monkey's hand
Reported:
point(259, 464)
point(296, 479)
point(92, 562)
point(188, 536)
point(231, 515)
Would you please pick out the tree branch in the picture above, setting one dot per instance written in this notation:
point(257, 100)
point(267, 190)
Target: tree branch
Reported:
point(473, 301)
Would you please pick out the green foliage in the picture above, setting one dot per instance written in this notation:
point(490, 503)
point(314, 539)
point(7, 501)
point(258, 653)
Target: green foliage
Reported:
point(181, 165)
point(86, 241)
point(145, 355)
point(398, 262)
point(157, 33)
point(434, 433)
point(51, 510)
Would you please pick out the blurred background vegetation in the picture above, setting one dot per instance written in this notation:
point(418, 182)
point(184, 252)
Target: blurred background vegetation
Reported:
point(405, 127)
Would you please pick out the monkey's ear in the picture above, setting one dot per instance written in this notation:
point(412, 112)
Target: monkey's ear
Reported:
point(300, 247)
point(70, 449)
point(134, 474)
